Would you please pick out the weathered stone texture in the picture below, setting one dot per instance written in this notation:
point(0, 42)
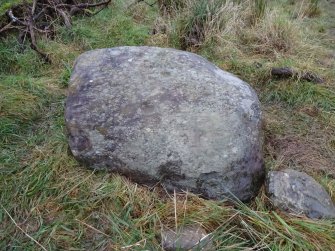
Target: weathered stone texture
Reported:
point(163, 115)
point(298, 193)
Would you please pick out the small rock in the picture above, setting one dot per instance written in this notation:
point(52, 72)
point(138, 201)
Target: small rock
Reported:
point(297, 192)
point(187, 238)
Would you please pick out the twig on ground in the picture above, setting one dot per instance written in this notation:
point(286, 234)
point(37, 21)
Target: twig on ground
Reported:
point(91, 227)
point(33, 38)
point(286, 72)
point(7, 27)
point(40, 15)
point(33, 8)
point(66, 18)
point(30, 237)
point(136, 244)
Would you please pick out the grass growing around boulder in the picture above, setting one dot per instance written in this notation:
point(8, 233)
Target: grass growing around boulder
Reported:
point(49, 202)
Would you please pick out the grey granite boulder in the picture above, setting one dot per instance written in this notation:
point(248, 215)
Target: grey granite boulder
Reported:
point(166, 116)
point(298, 193)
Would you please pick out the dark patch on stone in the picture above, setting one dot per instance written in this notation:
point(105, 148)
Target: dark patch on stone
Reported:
point(114, 164)
point(147, 107)
point(78, 140)
point(207, 183)
point(138, 176)
point(166, 73)
point(236, 183)
point(116, 61)
point(83, 143)
point(171, 170)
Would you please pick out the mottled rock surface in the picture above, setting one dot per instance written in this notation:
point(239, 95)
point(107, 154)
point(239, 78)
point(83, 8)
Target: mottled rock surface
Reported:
point(168, 116)
point(189, 238)
point(298, 193)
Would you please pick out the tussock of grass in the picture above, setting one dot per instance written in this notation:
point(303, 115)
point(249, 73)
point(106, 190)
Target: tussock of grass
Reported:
point(64, 206)
point(272, 35)
point(14, 60)
point(203, 20)
point(247, 22)
point(259, 8)
point(114, 28)
point(22, 102)
point(306, 8)
point(167, 7)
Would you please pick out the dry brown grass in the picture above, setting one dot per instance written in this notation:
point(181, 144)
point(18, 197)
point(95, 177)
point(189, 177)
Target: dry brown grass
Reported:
point(232, 25)
point(306, 8)
point(298, 153)
point(272, 35)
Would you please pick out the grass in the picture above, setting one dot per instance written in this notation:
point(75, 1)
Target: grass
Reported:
point(49, 202)
point(7, 4)
point(259, 9)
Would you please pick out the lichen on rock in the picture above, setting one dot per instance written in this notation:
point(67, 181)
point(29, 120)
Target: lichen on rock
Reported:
point(168, 116)
point(298, 193)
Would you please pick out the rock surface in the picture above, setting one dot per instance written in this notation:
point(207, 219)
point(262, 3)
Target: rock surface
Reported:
point(190, 238)
point(168, 116)
point(296, 192)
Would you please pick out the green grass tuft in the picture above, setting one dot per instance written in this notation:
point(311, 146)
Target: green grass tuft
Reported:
point(297, 94)
point(61, 205)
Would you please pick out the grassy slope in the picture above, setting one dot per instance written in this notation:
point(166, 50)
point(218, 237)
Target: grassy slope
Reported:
point(63, 206)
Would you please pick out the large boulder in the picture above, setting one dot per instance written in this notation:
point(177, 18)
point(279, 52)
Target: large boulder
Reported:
point(167, 116)
point(299, 193)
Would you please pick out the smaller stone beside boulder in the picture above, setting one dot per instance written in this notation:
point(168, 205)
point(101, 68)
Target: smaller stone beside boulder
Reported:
point(186, 238)
point(297, 192)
